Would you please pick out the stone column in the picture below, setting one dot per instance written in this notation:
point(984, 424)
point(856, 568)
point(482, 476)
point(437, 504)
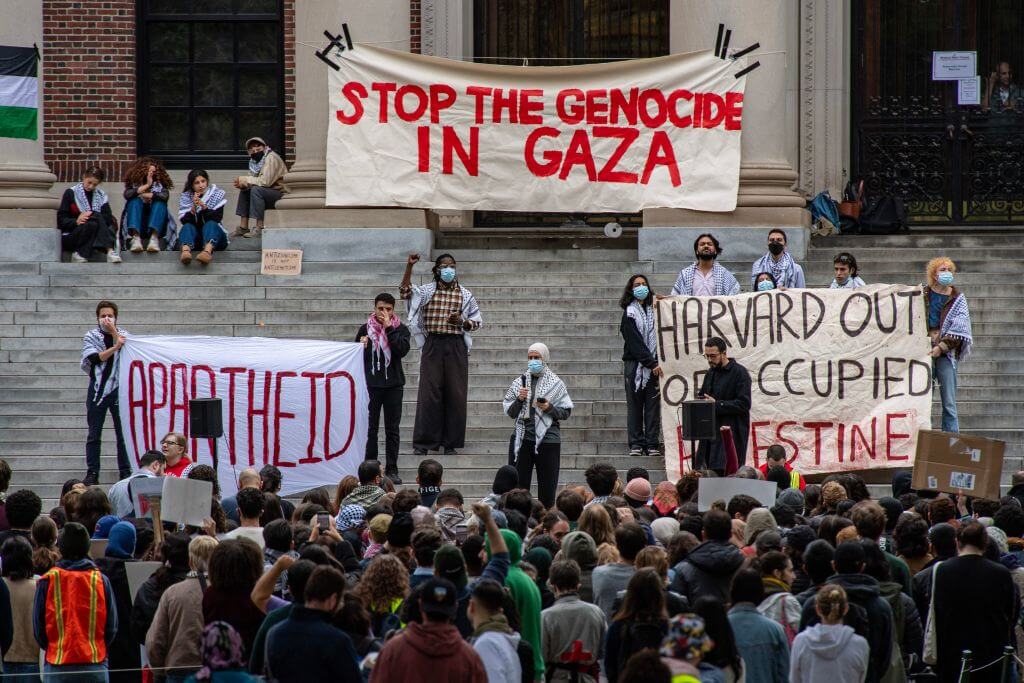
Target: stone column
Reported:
point(27, 216)
point(770, 118)
point(301, 218)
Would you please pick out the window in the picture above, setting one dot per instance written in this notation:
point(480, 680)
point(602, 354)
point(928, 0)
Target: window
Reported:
point(210, 75)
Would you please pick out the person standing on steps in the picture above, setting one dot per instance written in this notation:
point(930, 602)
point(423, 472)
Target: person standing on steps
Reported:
point(385, 343)
point(704, 277)
point(442, 313)
point(779, 263)
point(101, 357)
point(727, 385)
point(949, 326)
point(538, 401)
point(640, 367)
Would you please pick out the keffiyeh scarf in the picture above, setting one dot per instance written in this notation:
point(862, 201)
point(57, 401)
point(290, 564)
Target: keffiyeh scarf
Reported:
point(958, 326)
point(221, 649)
point(379, 341)
point(214, 198)
point(549, 386)
point(99, 198)
point(782, 270)
point(643, 316)
point(725, 283)
point(256, 166)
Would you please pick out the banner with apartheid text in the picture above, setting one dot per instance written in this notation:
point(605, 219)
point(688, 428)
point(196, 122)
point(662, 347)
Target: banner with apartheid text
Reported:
point(841, 378)
point(417, 131)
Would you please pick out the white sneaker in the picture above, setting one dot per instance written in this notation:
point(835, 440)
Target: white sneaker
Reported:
point(154, 245)
point(78, 258)
point(113, 257)
point(136, 245)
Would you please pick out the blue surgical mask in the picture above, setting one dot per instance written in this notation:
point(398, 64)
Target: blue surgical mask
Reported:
point(535, 366)
point(448, 274)
point(765, 285)
point(641, 292)
point(945, 278)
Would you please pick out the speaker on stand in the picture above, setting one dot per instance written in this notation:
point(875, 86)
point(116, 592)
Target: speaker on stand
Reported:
point(206, 421)
point(697, 421)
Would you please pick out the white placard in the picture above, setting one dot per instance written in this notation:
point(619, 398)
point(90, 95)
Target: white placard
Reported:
point(968, 90)
point(710, 489)
point(142, 488)
point(138, 574)
point(954, 65)
point(186, 501)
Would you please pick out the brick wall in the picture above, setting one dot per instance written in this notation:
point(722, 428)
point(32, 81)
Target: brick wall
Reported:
point(89, 75)
point(289, 82)
point(414, 27)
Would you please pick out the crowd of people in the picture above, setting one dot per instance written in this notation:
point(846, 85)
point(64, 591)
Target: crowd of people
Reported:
point(621, 579)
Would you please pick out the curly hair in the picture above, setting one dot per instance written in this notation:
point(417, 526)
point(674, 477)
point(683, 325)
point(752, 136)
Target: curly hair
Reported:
point(932, 269)
point(385, 580)
point(136, 172)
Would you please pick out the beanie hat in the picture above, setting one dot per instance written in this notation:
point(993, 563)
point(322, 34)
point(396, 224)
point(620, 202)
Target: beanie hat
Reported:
point(791, 498)
point(638, 491)
point(351, 517)
point(449, 564)
point(121, 541)
point(104, 525)
point(540, 558)
point(664, 528)
point(379, 526)
point(506, 479)
point(400, 530)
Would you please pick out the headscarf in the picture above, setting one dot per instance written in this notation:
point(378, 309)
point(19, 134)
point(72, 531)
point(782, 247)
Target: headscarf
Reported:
point(351, 517)
point(121, 542)
point(221, 649)
point(686, 638)
point(379, 341)
point(448, 520)
point(665, 498)
point(548, 386)
point(542, 349)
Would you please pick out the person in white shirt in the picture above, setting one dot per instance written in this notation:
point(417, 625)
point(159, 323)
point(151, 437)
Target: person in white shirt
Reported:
point(493, 639)
point(778, 261)
point(151, 464)
point(846, 272)
point(705, 277)
point(250, 509)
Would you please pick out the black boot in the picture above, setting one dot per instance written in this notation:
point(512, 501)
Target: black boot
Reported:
point(91, 478)
point(391, 472)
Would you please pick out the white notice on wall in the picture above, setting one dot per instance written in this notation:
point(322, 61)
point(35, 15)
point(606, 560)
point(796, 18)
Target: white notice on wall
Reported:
point(952, 66)
point(968, 90)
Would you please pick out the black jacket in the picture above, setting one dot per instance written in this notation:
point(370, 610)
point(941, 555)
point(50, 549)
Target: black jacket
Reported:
point(635, 349)
point(862, 590)
point(730, 387)
point(307, 647)
point(203, 216)
point(67, 213)
point(707, 570)
point(393, 375)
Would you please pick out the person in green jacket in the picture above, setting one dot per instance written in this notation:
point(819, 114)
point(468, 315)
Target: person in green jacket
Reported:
point(526, 597)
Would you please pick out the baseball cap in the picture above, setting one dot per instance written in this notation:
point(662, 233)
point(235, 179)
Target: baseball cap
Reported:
point(438, 597)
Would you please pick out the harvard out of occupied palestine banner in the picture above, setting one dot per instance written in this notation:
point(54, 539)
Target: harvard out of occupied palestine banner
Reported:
point(841, 378)
point(416, 131)
point(299, 404)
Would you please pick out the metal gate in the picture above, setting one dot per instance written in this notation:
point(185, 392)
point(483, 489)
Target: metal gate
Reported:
point(950, 163)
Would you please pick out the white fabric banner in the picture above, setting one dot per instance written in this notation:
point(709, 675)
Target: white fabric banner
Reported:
point(299, 404)
point(841, 378)
point(416, 131)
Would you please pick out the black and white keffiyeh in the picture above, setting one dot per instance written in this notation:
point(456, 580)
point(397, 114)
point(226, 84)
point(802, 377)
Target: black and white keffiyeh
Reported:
point(256, 166)
point(782, 270)
point(548, 386)
point(214, 198)
point(958, 326)
point(99, 198)
point(725, 282)
point(643, 317)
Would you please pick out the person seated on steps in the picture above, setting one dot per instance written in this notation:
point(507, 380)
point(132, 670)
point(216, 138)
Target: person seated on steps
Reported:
point(261, 189)
point(85, 220)
point(201, 210)
point(147, 188)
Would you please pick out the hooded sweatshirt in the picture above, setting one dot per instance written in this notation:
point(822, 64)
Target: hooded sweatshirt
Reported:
point(496, 644)
point(579, 546)
point(707, 570)
point(525, 595)
point(828, 653)
point(758, 521)
point(428, 652)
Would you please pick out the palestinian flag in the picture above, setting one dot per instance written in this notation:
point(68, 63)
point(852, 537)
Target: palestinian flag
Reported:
point(19, 92)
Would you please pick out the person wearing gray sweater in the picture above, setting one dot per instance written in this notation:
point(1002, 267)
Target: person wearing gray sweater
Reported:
point(829, 651)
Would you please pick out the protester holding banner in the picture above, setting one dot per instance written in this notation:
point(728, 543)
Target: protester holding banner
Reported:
point(778, 261)
point(101, 357)
point(846, 272)
point(385, 342)
point(949, 326)
point(442, 313)
point(727, 385)
point(640, 366)
point(705, 277)
point(201, 212)
point(85, 220)
point(538, 401)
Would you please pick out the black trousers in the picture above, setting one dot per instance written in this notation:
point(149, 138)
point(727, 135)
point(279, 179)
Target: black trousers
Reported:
point(643, 410)
point(545, 460)
point(89, 236)
point(96, 414)
point(443, 389)
point(390, 400)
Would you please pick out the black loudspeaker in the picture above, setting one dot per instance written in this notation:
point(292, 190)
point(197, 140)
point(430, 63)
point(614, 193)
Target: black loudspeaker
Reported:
point(204, 418)
point(698, 420)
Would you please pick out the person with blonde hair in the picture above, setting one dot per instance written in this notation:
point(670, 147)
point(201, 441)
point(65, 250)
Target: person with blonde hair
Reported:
point(829, 651)
point(597, 523)
point(949, 327)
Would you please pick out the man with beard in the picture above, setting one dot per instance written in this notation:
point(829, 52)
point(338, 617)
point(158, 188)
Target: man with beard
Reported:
point(779, 263)
point(727, 385)
point(705, 277)
point(261, 189)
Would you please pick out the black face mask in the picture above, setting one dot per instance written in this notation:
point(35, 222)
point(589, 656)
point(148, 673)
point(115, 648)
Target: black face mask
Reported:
point(256, 156)
point(776, 248)
point(703, 256)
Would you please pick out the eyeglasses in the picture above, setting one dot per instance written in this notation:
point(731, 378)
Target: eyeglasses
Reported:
point(169, 443)
point(712, 356)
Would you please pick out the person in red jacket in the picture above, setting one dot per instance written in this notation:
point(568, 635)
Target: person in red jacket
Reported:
point(433, 650)
point(776, 457)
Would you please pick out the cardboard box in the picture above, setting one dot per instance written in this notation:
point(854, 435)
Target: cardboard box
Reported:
point(954, 463)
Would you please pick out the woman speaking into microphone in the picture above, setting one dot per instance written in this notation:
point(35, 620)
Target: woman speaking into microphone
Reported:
point(538, 401)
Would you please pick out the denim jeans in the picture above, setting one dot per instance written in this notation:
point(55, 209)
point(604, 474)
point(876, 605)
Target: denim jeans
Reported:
point(212, 232)
point(944, 373)
point(12, 668)
point(156, 220)
point(75, 673)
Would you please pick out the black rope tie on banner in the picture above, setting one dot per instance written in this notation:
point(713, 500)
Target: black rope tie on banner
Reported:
point(340, 43)
point(722, 50)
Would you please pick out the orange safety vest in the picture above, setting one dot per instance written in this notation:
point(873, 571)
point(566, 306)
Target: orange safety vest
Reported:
point(76, 616)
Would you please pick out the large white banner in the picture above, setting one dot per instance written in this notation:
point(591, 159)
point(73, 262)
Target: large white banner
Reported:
point(299, 404)
point(841, 378)
point(416, 131)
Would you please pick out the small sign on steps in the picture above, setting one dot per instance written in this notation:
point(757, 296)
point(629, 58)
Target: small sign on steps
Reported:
point(281, 262)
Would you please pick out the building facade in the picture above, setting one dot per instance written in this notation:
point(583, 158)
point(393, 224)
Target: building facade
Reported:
point(844, 91)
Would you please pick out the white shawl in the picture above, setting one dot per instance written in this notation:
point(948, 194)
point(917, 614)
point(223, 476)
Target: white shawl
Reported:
point(548, 386)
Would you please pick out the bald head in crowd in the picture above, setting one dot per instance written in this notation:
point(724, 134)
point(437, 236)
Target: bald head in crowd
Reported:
point(249, 478)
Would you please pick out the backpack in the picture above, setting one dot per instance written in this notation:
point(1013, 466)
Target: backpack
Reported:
point(896, 672)
point(884, 215)
point(823, 207)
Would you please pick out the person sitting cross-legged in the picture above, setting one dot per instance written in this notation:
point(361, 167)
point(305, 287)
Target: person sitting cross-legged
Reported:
point(201, 212)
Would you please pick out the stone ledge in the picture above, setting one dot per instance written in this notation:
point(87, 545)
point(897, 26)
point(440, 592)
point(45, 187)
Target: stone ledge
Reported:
point(28, 243)
point(290, 219)
point(351, 244)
